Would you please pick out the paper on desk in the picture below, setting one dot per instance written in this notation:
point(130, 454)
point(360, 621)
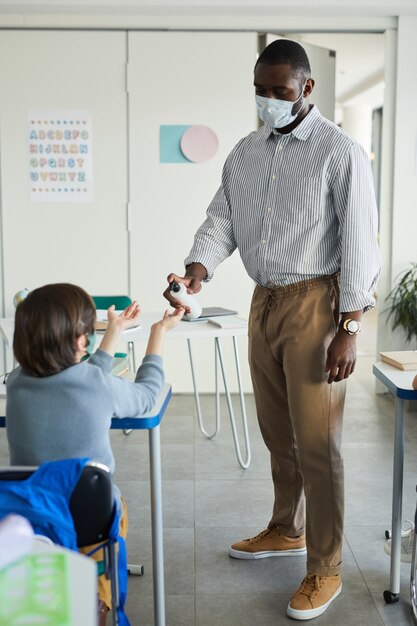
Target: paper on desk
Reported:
point(232, 321)
point(101, 323)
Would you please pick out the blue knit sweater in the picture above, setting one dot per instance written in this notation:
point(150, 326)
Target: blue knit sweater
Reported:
point(68, 415)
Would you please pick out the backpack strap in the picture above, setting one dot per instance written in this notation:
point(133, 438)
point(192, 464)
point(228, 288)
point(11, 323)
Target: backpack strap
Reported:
point(121, 567)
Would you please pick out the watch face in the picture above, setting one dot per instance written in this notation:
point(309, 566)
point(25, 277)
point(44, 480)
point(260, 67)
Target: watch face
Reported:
point(353, 326)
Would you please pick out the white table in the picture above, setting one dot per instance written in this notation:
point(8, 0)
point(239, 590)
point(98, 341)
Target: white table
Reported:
point(400, 383)
point(189, 331)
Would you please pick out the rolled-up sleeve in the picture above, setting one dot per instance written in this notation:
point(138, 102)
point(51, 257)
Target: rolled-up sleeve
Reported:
point(354, 201)
point(214, 241)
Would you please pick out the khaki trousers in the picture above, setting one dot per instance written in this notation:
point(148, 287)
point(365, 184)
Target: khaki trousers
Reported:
point(300, 415)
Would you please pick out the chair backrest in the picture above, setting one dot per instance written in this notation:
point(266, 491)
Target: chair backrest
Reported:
point(91, 503)
point(120, 302)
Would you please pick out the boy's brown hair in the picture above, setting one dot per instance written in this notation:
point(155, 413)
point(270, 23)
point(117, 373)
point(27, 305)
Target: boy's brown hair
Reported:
point(48, 323)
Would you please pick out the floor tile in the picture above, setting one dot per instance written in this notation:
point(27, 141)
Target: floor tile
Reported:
point(269, 609)
point(249, 502)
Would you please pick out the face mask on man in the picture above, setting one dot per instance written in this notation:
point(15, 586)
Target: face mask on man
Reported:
point(277, 113)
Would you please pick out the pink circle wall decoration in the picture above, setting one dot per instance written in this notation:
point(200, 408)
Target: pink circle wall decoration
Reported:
point(199, 143)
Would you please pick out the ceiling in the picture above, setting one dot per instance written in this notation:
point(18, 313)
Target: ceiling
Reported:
point(218, 7)
point(359, 56)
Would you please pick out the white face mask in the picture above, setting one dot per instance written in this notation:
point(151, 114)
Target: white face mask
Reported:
point(276, 113)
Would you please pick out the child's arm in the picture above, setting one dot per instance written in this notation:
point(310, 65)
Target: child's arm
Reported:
point(129, 319)
point(415, 383)
point(136, 398)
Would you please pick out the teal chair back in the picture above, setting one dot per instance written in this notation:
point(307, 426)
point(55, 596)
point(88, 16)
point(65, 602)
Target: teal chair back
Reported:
point(103, 302)
point(120, 303)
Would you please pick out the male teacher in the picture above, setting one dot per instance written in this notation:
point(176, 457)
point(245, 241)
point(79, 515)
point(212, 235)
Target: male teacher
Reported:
point(297, 200)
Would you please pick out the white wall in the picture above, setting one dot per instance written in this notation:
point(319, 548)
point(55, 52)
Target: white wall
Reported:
point(404, 226)
point(399, 193)
point(80, 242)
point(357, 121)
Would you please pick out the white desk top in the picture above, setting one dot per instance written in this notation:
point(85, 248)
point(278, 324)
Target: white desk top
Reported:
point(185, 330)
point(399, 381)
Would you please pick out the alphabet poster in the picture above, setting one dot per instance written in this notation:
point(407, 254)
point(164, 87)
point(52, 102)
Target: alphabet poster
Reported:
point(60, 156)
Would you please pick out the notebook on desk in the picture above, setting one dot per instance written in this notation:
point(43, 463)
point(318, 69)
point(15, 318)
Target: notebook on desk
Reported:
point(210, 311)
point(232, 321)
point(101, 322)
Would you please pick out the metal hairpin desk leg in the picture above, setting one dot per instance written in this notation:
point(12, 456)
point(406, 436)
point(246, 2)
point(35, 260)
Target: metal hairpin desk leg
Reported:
point(197, 397)
point(219, 357)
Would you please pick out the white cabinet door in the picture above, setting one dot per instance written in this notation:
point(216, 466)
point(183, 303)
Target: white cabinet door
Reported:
point(80, 242)
point(181, 79)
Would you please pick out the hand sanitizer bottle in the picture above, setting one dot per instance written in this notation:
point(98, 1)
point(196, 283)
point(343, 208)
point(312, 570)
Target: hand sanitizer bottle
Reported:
point(179, 291)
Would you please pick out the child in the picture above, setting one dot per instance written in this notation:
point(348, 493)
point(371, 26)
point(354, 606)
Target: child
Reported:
point(59, 406)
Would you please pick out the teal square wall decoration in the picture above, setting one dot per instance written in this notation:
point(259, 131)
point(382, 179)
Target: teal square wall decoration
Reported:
point(169, 144)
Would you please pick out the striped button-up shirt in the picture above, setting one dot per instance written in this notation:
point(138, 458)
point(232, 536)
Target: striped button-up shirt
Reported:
point(296, 206)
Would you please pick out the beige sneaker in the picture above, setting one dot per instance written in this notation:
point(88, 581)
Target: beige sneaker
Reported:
point(269, 542)
point(314, 596)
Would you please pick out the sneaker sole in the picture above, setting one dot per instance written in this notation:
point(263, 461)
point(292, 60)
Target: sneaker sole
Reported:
point(241, 554)
point(312, 613)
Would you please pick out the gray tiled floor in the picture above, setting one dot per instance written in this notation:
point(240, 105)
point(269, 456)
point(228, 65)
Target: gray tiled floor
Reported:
point(209, 501)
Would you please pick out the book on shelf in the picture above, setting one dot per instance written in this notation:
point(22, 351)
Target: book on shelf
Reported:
point(403, 359)
point(230, 321)
point(120, 366)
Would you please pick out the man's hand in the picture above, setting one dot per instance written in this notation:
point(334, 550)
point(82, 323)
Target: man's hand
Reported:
point(195, 273)
point(341, 357)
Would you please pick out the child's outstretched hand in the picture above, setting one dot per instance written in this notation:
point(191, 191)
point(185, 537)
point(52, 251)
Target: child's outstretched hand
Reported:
point(129, 318)
point(169, 321)
point(158, 330)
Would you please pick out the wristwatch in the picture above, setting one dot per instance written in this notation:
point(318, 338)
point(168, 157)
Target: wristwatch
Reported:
point(352, 327)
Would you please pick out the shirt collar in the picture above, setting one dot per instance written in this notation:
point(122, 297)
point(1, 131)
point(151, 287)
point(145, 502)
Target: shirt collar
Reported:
point(304, 128)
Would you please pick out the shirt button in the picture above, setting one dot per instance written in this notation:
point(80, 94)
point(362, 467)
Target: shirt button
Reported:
point(269, 209)
point(263, 241)
point(274, 177)
point(280, 147)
